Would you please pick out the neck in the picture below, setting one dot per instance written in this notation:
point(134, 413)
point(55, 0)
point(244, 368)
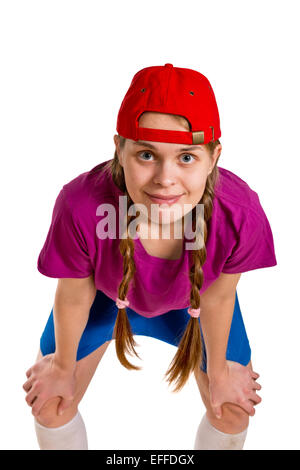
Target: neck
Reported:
point(144, 230)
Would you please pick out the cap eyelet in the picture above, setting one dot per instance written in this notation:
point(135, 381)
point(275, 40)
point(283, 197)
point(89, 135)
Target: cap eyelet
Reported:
point(191, 93)
point(143, 89)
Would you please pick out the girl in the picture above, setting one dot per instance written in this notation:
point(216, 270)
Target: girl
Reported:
point(121, 282)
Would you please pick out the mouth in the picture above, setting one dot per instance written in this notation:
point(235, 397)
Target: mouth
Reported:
point(164, 199)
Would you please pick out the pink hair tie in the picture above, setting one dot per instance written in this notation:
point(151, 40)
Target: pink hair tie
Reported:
point(122, 303)
point(194, 312)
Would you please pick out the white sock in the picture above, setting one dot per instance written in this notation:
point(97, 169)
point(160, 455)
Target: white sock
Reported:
point(70, 436)
point(210, 438)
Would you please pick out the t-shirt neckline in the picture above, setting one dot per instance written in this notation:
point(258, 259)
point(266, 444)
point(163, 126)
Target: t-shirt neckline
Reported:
point(141, 251)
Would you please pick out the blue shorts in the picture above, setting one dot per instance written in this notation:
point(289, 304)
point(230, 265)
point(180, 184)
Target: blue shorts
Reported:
point(167, 327)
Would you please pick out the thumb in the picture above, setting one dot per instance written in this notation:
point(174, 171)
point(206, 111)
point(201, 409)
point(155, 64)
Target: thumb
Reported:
point(217, 411)
point(64, 404)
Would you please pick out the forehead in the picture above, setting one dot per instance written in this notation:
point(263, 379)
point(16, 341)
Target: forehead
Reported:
point(161, 146)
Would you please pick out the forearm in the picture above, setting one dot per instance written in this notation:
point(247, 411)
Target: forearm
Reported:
point(216, 321)
point(70, 320)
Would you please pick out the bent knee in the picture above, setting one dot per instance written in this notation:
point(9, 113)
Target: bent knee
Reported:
point(234, 419)
point(235, 413)
point(49, 417)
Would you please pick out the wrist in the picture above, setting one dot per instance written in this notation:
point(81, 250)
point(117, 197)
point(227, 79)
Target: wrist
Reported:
point(63, 364)
point(214, 371)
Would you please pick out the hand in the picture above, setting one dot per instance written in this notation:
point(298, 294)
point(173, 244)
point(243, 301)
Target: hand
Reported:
point(235, 384)
point(46, 379)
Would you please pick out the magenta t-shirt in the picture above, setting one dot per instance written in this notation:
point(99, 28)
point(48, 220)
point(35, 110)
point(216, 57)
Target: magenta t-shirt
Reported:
point(239, 239)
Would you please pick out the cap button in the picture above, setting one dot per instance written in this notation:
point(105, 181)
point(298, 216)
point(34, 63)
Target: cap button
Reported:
point(169, 66)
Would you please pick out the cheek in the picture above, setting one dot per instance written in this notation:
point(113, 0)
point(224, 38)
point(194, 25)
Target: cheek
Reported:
point(133, 175)
point(196, 187)
point(135, 185)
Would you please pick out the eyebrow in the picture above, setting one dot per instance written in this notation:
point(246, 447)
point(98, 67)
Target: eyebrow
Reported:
point(184, 149)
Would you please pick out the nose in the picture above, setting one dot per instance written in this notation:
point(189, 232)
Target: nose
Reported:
point(165, 175)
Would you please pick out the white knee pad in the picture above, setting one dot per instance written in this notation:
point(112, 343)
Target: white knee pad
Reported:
point(70, 436)
point(210, 438)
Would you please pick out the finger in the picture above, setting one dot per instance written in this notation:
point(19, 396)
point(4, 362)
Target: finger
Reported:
point(27, 385)
point(29, 372)
point(247, 406)
point(34, 391)
point(255, 398)
point(218, 412)
point(216, 406)
point(38, 405)
point(64, 404)
point(256, 386)
point(254, 375)
point(30, 397)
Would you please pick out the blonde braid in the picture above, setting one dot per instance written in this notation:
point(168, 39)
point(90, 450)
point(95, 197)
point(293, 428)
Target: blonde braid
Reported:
point(125, 341)
point(189, 354)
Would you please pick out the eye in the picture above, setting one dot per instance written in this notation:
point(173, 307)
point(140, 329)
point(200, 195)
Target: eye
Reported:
point(141, 154)
point(145, 153)
point(188, 155)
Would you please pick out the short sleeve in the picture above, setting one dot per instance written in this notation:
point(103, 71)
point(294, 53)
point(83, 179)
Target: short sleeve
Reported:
point(65, 253)
point(255, 245)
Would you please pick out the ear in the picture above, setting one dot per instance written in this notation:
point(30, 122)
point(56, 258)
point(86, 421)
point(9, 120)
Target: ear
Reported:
point(118, 149)
point(215, 156)
point(217, 153)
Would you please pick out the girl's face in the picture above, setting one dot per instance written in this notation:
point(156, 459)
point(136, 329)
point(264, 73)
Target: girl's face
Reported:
point(166, 169)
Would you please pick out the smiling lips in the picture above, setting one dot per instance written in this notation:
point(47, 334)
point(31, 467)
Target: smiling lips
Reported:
point(160, 199)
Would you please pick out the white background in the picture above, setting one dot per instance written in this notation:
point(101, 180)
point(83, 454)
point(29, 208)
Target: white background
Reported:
point(65, 67)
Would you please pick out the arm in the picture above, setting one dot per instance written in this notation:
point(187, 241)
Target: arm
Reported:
point(73, 300)
point(229, 381)
point(54, 374)
point(217, 305)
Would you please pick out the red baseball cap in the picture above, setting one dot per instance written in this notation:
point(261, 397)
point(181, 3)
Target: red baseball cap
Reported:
point(171, 90)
